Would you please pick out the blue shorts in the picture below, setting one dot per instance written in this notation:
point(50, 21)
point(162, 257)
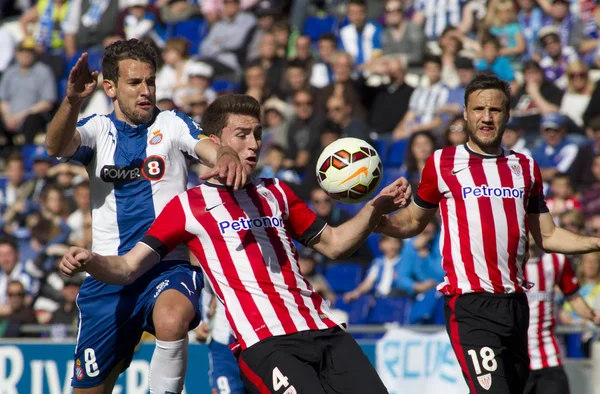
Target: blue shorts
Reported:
point(113, 318)
point(224, 373)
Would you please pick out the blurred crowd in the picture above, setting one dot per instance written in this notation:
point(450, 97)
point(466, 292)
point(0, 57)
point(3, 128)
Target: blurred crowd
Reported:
point(392, 72)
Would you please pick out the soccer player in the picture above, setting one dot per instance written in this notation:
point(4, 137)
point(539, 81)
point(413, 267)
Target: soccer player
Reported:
point(136, 164)
point(290, 342)
point(548, 270)
point(489, 198)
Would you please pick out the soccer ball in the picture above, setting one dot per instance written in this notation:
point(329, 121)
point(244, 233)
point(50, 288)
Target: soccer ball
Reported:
point(349, 170)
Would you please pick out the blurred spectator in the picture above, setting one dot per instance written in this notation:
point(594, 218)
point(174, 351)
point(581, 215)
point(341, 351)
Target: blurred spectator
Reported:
point(21, 313)
point(65, 176)
point(492, 60)
point(424, 102)
point(195, 106)
point(401, 36)
point(562, 196)
point(14, 189)
point(456, 133)
point(514, 137)
point(592, 225)
point(450, 45)
point(307, 263)
point(557, 58)
point(281, 31)
point(173, 11)
point(581, 170)
point(199, 77)
point(456, 96)
point(223, 47)
point(506, 28)
point(390, 101)
point(255, 82)
point(11, 269)
point(303, 133)
point(421, 145)
point(213, 10)
point(531, 20)
point(573, 221)
point(273, 167)
point(339, 112)
point(139, 19)
point(43, 23)
point(99, 103)
point(382, 275)
point(435, 16)
point(268, 59)
point(27, 95)
point(360, 38)
point(67, 314)
point(7, 43)
point(164, 101)
point(266, 11)
point(41, 165)
point(556, 153)
point(589, 18)
point(172, 75)
point(536, 97)
point(304, 52)
point(80, 221)
point(276, 123)
point(579, 92)
point(570, 30)
point(296, 79)
point(322, 70)
point(88, 24)
point(329, 134)
point(590, 200)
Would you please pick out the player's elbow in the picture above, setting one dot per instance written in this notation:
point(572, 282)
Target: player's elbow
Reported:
point(52, 150)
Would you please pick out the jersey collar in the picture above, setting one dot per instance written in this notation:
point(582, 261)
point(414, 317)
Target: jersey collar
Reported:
point(483, 156)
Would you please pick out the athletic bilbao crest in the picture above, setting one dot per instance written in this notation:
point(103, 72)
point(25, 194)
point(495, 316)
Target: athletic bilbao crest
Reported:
point(516, 169)
point(485, 381)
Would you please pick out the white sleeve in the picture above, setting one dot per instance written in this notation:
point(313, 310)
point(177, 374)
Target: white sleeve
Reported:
point(189, 133)
point(373, 271)
point(567, 155)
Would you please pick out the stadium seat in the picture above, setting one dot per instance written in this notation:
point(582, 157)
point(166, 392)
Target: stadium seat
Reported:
point(390, 174)
point(343, 277)
point(193, 29)
point(28, 151)
point(315, 26)
point(225, 86)
point(396, 152)
point(390, 309)
point(357, 310)
point(381, 147)
point(373, 244)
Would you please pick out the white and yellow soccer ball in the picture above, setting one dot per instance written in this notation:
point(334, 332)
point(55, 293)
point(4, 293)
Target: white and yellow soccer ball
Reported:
point(349, 170)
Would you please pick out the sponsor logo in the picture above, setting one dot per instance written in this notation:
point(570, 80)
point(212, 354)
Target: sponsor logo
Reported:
point(362, 170)
point(485, 381)
point(79, 372)
point(156, 138)
point(486, 191)
point(152, 169)
point(516, 169)
point(161, 286)
point(454, 172)
point(247, 224)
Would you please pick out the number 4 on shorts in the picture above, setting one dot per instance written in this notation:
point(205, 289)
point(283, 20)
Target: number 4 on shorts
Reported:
point(280, 381)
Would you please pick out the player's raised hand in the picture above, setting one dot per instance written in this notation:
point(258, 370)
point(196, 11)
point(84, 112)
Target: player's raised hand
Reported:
point(82, 82)
point(229, 169)
point(73, 261)
point(393, 196)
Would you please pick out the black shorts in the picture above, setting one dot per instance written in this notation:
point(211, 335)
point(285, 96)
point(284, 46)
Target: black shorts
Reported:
point(314, 362)
point(489, 335)
point(551, 380)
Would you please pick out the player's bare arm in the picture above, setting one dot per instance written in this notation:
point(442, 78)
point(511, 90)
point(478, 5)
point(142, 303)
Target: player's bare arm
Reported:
point(339, 242)
point(583, 309)
point(114, 270)
point(553, 239)
point(62, 138)
point(407, 222)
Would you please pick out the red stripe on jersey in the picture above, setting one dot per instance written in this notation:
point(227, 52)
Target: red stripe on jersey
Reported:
point(253, 377)
point(512, 222)
point(455, 341)
point(526, 171)
point(250, 308)
point(289, 276)
point(558, 275)
point(196, 248)
point(259, 268)
point(464, 236)
point(542, 315)
point(316, 298)
point(447, 260)
point(488, 225)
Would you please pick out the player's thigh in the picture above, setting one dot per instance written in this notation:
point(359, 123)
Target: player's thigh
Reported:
point(553, 381)
point(224, 373)
point(264, 369)
point(108, 332)
point(346, 369)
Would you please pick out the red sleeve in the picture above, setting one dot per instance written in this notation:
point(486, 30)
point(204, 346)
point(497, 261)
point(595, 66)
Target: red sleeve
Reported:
point(568, 282)
point(301, 221)
point(537, 202)
point(428, 194)
point(168, 230)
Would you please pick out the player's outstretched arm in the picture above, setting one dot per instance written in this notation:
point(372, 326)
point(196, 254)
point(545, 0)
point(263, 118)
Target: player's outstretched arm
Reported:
point(62, 138)
point(407, 222)
point(113, 270)
point(583, 309)
point(339, 242)
point(554, 239)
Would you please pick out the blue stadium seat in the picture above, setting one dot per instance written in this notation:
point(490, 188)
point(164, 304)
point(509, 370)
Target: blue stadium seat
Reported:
point(390, 309)
point(390, 174)
point(373, 244)
point(223, 85)
point(381, 147)
point(315, 26)
point(28, 151)
point(357, 310)
point(193, 29)
point(343, 277)
point(396, 153)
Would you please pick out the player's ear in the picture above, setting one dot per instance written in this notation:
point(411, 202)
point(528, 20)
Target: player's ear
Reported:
point(110, 88)
point(215, 139)
point(465, 112)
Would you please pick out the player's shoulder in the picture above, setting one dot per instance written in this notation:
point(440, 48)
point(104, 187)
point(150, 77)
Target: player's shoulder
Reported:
point(176, 117)
point(95, 120)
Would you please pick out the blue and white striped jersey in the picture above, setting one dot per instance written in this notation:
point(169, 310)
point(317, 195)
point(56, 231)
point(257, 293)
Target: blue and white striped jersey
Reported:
point(134, 171)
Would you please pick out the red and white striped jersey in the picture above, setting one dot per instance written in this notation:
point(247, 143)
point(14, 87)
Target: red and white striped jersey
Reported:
point(484, 202)
point(243, 241)
point(547, 272)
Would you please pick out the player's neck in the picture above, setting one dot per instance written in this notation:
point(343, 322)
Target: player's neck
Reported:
point(486, 151)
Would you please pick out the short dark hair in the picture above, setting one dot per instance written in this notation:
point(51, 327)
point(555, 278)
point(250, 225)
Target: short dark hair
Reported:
point(531, 64)
point(594, 123)
point(296, 63)
point(361, 3)
point(15, 156)
point(9, 242)
point(217, 114)
point(562, 175)
point(124, 50)
point(328, 37)
point(430, 58)
point(485, 81)
point(491, 39)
